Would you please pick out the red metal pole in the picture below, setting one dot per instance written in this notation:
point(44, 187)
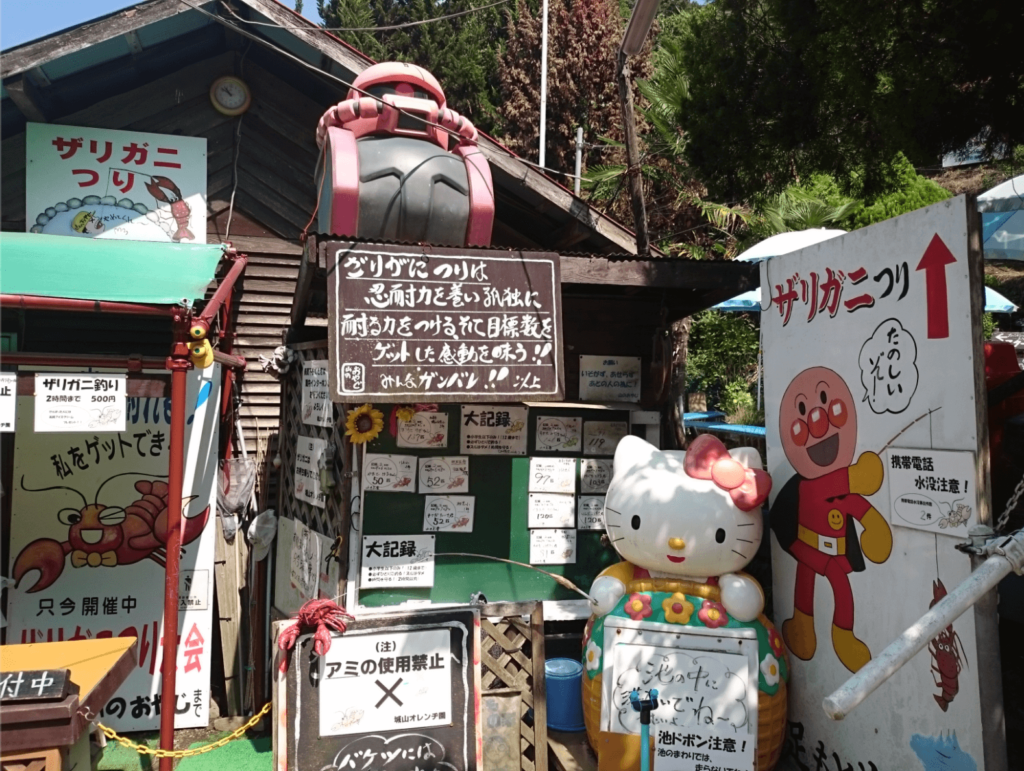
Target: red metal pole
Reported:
point(179, 364)
point(34, 302)
point(130, 363)
point(224, 290)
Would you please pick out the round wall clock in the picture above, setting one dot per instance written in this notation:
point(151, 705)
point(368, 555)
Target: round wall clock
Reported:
point(230, 95)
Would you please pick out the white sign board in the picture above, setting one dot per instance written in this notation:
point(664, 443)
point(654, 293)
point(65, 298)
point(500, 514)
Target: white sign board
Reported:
point(317, 408)
point(72, 401)
point(552, 475)
point(868, 342)
point(373, 682)
point(305, 561)
point(595, 475)
point(559, 434)
point(552, 547)
point(8, 401)
point(590, 515)
point(610, 379)
point(389, 473)
point(444, 475)
point(397, 560)
point(493, 430)
point(933, 490)
point(602, 437)
point(697, 749)
point(448, 513)
point(102, 183)
point(425, 430)
point(90, 590)
point(308, 451)
point(551, 510)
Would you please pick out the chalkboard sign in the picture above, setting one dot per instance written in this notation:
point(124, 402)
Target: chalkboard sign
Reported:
point(413, 323)
point(400, 688)
point(34, 685)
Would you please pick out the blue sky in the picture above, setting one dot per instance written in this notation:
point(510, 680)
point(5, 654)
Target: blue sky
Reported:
point(24, 20)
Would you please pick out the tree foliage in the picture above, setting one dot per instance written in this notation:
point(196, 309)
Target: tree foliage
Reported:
point(460, 52)
point(780, 87)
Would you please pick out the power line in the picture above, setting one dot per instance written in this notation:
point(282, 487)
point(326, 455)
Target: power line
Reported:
point(387, 28)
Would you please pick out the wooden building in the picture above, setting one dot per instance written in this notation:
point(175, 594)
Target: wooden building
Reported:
point(150, 68)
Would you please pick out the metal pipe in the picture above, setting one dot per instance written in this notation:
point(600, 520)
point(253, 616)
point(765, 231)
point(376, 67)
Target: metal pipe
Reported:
point(35, 302)
point(130, 363)
point(841, 702)
point(179, 364)
point(579, 160)
point(543, 83)
point(223, 291)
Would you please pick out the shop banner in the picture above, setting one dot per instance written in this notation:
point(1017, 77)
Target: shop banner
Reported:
point(88, 545)
point(870, 357)
point(102, 183)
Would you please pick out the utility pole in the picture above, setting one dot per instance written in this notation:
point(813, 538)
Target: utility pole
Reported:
point(636, 183)
point(579, 160)
point(543, 84)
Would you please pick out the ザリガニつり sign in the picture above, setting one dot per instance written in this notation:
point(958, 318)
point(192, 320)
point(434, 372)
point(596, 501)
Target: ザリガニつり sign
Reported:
point(465, 325)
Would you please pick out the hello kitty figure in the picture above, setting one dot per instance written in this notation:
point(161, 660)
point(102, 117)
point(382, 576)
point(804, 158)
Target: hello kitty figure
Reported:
point(686, 524)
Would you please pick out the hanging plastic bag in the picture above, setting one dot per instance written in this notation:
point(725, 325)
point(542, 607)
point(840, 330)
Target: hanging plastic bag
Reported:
point(261, 534)
point(235, 483)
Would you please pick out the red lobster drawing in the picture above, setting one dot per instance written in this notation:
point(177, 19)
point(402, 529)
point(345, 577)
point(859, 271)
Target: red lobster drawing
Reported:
point(947, 653)
point(107, 536)
point(180, 210)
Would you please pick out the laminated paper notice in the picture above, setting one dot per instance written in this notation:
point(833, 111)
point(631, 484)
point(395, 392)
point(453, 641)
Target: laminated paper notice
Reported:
point(308, 450)
point(552, 547)
point(448, 513)
point(493, 430)
point(317, 407)
point(559, 434)
point(69, 402)
point(590, 514)
point(389, 473)
point(595, 475)
point(602, 437)
point(426, 430)
point(305, 561)
point(552, 510)
point(932, 490)
point(552, 475)
point(444, 475)
point(397, 560)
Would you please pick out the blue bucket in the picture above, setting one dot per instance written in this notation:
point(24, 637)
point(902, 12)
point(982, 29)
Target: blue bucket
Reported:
point(565, 695)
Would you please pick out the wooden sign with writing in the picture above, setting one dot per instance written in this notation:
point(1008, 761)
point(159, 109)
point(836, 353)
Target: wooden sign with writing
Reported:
point(401, 687)
point(415, 323)
point(35, 685)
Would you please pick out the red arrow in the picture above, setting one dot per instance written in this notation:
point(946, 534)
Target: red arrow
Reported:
point(936, 257)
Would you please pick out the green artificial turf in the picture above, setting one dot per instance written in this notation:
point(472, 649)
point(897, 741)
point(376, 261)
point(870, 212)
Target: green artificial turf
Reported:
point(240, 755)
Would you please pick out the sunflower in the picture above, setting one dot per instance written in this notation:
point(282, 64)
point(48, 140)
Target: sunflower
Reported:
point(364, 424)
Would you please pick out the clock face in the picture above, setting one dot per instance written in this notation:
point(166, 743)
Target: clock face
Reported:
point(230, 94)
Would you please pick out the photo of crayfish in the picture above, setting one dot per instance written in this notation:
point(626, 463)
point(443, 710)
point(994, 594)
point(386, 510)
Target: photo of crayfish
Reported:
point(107, 536)
point(948, 656)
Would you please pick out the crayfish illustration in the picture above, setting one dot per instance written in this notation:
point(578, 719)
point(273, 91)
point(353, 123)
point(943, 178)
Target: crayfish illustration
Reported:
point(165, 191)
point(947, 656)
point(107, 536)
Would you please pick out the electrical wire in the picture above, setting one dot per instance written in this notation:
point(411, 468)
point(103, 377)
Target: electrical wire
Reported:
point(313, 68)
point(387, 28)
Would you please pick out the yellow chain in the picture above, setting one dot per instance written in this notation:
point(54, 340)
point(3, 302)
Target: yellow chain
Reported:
point(142, 749)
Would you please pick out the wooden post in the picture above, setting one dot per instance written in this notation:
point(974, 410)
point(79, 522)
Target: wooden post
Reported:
point(229, 570)
point(636, 183)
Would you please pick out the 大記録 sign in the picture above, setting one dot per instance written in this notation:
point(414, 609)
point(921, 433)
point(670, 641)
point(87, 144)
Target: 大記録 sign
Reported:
point(448, 325)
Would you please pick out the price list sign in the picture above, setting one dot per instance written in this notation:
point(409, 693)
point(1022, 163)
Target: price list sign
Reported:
point(452, 325)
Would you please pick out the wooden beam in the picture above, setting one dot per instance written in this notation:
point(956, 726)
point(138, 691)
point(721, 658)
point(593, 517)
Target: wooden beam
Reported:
point(63, 43)
point(568, 235)
point(23, 94)
point(663, 273)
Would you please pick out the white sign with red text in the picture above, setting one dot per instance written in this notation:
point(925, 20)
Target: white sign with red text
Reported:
point(88, 545)
point(103, 183)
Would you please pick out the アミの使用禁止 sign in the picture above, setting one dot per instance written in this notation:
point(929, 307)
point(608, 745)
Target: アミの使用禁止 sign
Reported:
point(448, 325)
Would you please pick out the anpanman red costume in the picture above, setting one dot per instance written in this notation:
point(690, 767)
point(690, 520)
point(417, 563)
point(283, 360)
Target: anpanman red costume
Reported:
point(813, 516)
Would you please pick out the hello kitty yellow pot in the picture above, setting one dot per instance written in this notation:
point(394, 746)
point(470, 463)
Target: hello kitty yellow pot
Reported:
point(686, 524)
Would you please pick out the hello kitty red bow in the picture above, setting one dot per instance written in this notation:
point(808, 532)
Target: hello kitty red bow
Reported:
point(707, 458)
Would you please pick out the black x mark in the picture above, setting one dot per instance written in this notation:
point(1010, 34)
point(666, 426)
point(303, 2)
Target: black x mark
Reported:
point(389, 693)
